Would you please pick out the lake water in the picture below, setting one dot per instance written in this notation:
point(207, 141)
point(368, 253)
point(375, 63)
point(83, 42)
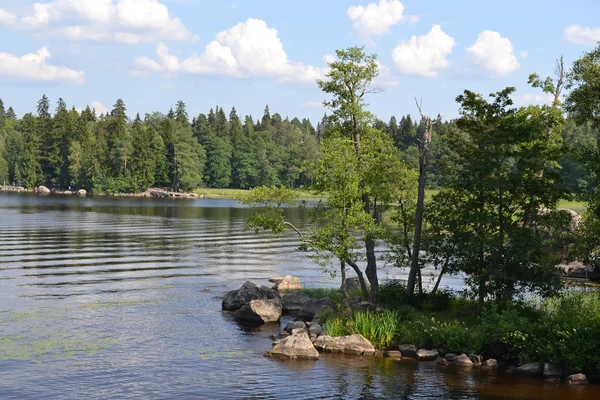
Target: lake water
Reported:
point(121, 298)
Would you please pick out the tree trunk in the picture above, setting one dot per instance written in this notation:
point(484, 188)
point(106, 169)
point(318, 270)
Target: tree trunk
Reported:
point(424, 149)
point(344, 288)
point(361, 279)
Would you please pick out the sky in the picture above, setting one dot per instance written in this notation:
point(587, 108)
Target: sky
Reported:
point(250, 53)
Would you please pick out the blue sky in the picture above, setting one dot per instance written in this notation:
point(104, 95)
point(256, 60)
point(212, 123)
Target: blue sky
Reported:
point(152, 53)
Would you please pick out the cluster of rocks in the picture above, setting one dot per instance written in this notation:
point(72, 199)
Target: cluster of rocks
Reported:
point(43, 190)
point(552, 372)
point(162, 193)
point(18, 189)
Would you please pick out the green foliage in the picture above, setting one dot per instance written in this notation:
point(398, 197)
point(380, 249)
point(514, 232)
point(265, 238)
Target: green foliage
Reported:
point(583, 100)
point(271, 202)
point(379, 328)
point(392, 294)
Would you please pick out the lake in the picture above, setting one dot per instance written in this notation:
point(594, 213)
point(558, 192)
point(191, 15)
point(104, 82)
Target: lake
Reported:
point(118, 297)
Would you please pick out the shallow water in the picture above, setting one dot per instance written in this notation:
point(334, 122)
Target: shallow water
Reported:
point(120, 298)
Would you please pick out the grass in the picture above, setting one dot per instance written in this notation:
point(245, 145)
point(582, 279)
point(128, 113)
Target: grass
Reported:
point(578, 206)
point(379, 328)
point(215, 193)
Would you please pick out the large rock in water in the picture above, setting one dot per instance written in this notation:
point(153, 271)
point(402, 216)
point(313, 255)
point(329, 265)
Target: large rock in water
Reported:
point(287, 284)
point(295, 346)
point(353, 344)
point(427, 355)
point(552, 371)
point(259, 312)
point(43, 190)
point(236, 299)
point(530, 369)
point(463, 361)
point(82, 192)
point(293, 302)
point(314, 308)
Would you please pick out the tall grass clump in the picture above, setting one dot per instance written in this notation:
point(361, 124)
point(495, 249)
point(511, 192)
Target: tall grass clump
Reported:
point(379, 328)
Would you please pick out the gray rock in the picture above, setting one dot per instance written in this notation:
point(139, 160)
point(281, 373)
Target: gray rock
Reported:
point(408, 350)
point(43, 190)
point(315, 330)
point(577, 379)
point(353, 284)
point(392, 354)
point(366, 306)
point(314, 308)
point(287, 284)
point(552, 371)
point(236, 299)
point(295, 346)
point(427, 355)
point(294, 325)
point(530, 369)
point(293, 302)
point(443, 361)
point(353, 344)
point(463, 361)
point(451, 357)
point(298, 331)
point(259, 312)
point(490, 363)
point(276, 279)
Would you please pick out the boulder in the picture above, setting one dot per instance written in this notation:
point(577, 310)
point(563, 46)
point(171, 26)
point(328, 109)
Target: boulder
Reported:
point(67, 192)
point(315, 330)
point(82, 192)
point(576, 269)
point(451, 357)
point(443, 362)
point(366, 306)
point(313, 308)
point(427, 355)
point(259, 312)
point(353, 284)
point(552, 371)
point(287, 284)
point(408, 350)
point(298, 331)
point(294, 325)
point(490, 363)
point(235, 299)
point(530, 369)
point(293, 302)
point(392, 354)
point(295, 346)
point(577, 379)
point(463, 361)
point(43, 190)
point(353, 344)
point(475, 359)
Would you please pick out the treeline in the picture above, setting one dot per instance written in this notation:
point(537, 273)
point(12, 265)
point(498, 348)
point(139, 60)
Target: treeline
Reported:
point(112, 153)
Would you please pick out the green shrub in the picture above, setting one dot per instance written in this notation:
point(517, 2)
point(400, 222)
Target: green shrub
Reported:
point(392, 294)
point(502, 334)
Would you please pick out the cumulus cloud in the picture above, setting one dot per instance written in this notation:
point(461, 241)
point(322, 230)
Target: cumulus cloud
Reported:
point(250, 48)
point(33, 67)
point(7, 18)
point(494, 54)
point(579, 35)
point(424, 55)
point(375, 19)
point(123, 21)
point(533, 99)
point(99, 107)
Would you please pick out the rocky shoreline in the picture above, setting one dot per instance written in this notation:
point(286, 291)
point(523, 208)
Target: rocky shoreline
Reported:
point(304, 338)
point(149, 193)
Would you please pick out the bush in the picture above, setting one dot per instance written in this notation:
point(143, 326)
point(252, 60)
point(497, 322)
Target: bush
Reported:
point(502, 334)
point(392, 294)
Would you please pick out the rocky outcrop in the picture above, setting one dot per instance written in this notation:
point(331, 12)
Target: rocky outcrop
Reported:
point(82, 192)
point(463, 361)
point(294, 325)
point(490, 363)
point(259, 312)
point(295, 346)
point(293, 302)
point(408, 350)
point(577, 379)
point(314, 329)
point(43, 190)
point(353, 284)
point(287, 284)
point(534, 369)
point(236, 299)
point(427, 355)
point(577, 269)
point(353, 344)
point(313, 309)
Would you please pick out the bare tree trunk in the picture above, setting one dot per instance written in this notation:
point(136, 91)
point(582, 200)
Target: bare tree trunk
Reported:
point(344, 286)
point(425, 140)
point(361, 279)
point(442, 272)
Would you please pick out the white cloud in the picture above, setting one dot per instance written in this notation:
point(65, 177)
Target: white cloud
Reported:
point(99, 107)
point(580, 35)
point(7, 18)
point(524, 55)
point(33, 67)
point(533, 99)
point(375, 19)
point(123, 21)
point(424, 55)
point(494, 53)
point(250, 48)
point(315, 105)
